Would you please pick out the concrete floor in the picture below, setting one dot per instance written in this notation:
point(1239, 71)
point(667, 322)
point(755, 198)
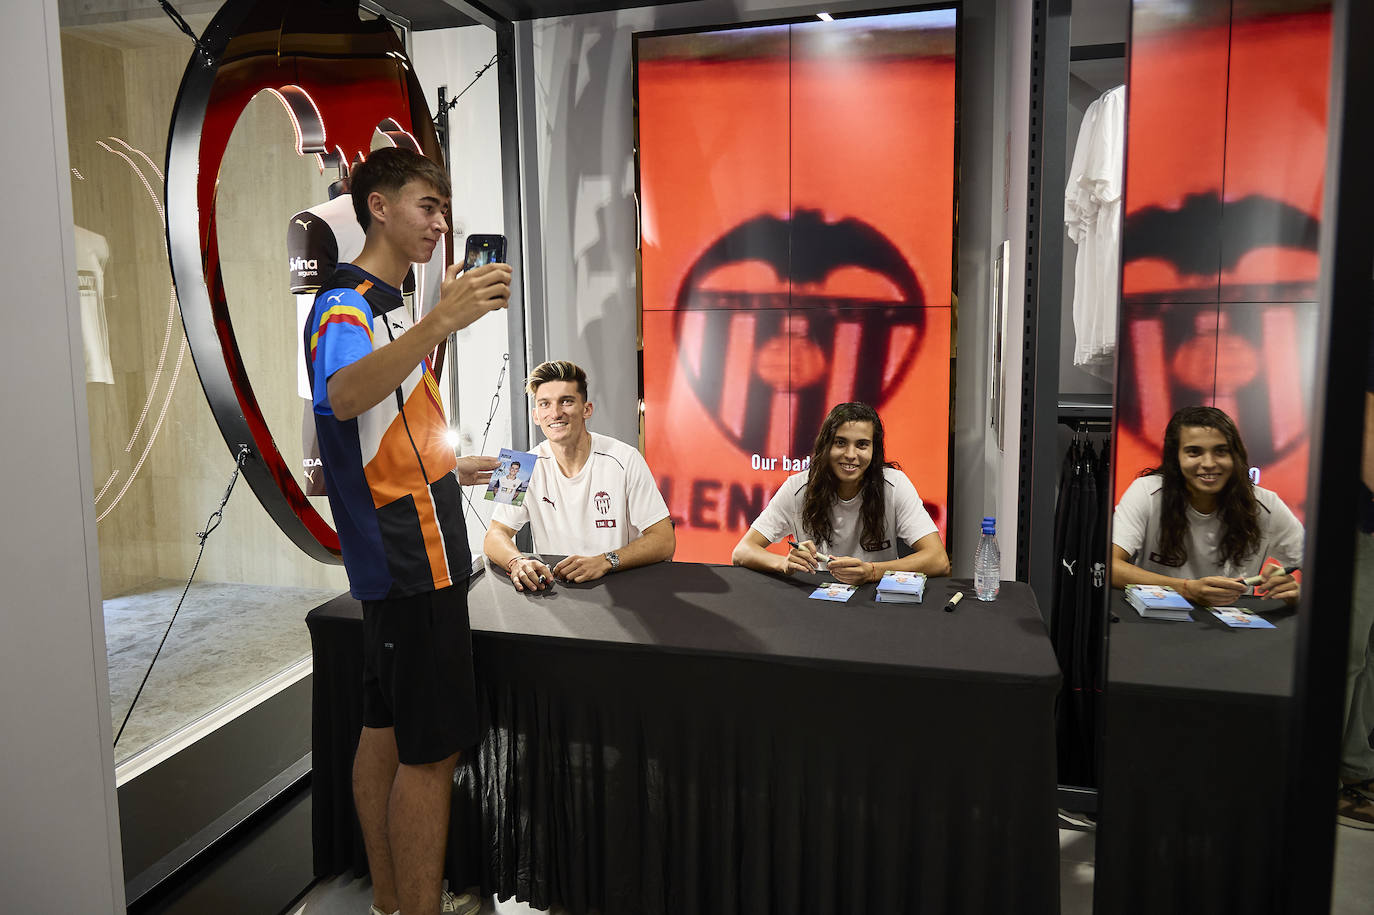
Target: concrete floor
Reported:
point(210, 656)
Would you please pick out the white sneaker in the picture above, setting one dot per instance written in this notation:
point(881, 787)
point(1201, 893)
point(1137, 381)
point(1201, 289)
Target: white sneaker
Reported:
point(463, 903)
point(376, 911)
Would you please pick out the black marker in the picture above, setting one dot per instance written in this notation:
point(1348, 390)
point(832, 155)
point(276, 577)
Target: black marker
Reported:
point(953, 601)
point(1259, 579)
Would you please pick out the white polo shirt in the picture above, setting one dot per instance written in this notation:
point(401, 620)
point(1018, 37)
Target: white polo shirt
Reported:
point(608, 503)
point(906, 518)
point(1136, 526)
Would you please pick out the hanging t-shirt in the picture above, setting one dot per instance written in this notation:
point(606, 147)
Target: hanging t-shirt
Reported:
point(907, 520)
point(92, 254)
point(390, 475)
point(1136, 527)
point(1092, 216)
point(609, 502)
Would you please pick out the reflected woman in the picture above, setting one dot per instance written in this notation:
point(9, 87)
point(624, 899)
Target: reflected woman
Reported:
point(850, 504)
point(1197, 524)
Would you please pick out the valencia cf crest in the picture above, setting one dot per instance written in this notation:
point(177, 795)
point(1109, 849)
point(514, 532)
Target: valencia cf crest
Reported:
point(603, 502)
point(768, 365)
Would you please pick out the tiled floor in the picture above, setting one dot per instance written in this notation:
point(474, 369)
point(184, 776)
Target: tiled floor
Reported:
point(1354, 882)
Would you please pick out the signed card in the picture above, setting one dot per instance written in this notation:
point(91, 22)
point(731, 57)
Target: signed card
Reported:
point(1237, 618)
point(510, 481)
point(833, 590)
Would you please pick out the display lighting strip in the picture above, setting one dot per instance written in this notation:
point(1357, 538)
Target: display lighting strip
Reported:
point(162, 356)
point(294, 99)
point(172, 306)
point(142, 155)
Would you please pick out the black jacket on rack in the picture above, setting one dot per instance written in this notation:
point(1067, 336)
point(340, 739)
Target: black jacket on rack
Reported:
point(1079, 593)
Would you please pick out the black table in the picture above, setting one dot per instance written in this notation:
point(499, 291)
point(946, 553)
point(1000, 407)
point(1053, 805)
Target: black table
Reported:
point(687, 739)
point(1194, 750)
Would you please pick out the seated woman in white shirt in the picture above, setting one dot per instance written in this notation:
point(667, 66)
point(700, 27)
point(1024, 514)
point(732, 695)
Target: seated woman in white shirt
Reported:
point(851, 504)
point(1197, 524)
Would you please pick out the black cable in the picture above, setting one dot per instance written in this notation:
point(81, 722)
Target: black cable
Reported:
point(185, 27)
point(491, 415)
point(454, 101)
point(211, 523)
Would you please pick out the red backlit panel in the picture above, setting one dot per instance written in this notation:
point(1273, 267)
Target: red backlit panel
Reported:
point(1176, 141)
point(1249, 350)
point(797, 189)
point(1275, 157)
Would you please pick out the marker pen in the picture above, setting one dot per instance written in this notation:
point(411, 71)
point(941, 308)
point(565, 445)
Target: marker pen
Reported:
point(953, 601)
point(1259, 579)
point(819, 555)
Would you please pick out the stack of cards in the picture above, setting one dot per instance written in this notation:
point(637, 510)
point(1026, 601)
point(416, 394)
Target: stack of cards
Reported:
point(1158, 602)
point(901, 588)
point(833, 590)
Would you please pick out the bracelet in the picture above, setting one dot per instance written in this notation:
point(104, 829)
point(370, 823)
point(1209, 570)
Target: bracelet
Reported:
point(513, 561)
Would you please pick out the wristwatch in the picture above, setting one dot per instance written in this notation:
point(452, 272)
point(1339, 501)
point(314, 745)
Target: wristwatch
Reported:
point(614, 559)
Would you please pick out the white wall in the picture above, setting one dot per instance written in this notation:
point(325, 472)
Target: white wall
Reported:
point(452, 57)
point(59, 849)
point(577, 141)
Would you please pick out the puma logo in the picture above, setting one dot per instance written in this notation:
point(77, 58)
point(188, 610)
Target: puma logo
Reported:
point(304, 224)
point(548, 500)
point(1069, 565)
point(309, 475)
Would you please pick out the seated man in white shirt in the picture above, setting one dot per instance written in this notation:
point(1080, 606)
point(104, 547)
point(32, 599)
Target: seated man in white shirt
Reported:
point(591, 498)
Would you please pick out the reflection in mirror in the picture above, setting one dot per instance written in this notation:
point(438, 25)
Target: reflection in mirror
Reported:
point(1214, 382)
point(159, 464)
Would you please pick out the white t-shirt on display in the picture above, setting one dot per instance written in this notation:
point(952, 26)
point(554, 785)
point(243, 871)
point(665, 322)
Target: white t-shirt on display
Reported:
point(907, 518)
point(92, 254)
point(1092, 216)
point(607, 504)
point(1136, 527)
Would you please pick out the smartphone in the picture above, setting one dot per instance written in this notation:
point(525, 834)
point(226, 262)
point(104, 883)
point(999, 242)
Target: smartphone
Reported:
point(484, 249)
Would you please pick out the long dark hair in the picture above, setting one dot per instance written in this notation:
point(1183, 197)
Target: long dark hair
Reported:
point(823, 489)
point(1236, 506)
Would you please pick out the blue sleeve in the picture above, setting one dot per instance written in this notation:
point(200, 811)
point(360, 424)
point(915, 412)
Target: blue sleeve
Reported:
point(342, 335)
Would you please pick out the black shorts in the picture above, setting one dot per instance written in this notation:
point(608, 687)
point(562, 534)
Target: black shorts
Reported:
point(417, 673)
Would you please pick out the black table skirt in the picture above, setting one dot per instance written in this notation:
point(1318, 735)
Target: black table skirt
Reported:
point(628, 781)
point(1194, 748)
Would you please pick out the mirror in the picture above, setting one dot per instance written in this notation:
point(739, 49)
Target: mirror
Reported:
point(1223, 193)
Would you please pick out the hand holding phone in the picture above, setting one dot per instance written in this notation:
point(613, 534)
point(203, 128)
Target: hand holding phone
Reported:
point(466, 295)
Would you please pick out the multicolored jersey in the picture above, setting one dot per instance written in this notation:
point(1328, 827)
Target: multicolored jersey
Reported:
point(390, 472)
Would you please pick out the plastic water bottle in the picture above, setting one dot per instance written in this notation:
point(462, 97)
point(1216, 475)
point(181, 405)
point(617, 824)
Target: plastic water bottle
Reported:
point(987, 562)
